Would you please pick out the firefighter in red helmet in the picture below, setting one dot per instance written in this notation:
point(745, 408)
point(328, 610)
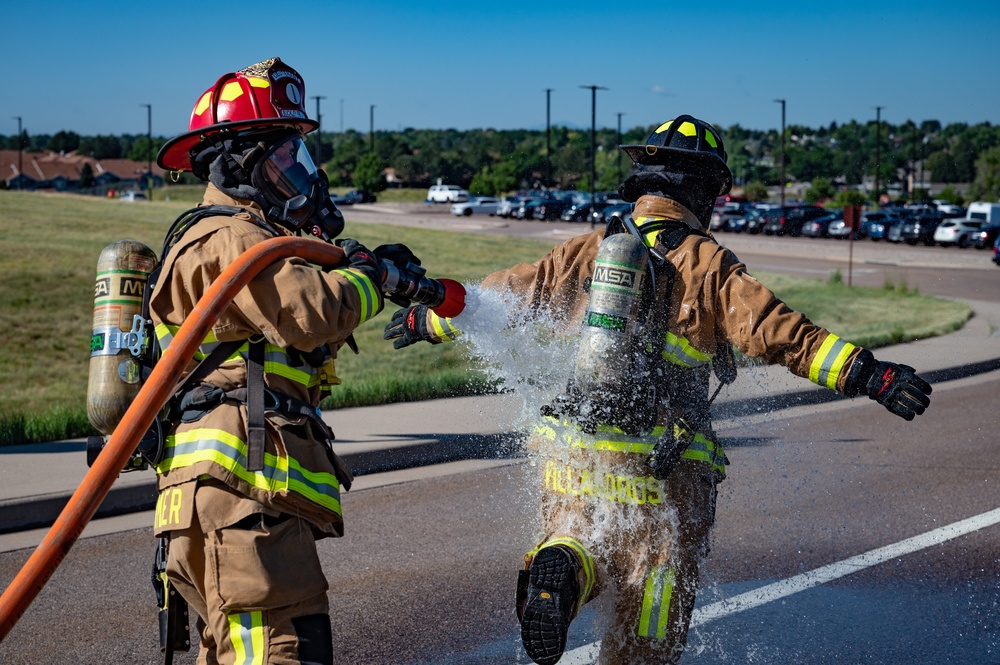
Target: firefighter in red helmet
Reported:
point(248, 480)
point(631, 462)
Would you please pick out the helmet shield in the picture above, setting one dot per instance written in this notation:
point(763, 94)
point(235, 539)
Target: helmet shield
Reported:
point(295, 193)
point(287, 170)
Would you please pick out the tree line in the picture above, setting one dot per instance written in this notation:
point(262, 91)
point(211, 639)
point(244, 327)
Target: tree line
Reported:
point(491, 161)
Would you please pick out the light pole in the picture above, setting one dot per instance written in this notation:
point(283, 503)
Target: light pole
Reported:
point(593, 142)
point(878, 152)
point(548, 137)
point(341, 116)
point(782, 102)
point(371, 126)
point(149, 149)
point(20, 152)
point(319, 141)
point(619, 143)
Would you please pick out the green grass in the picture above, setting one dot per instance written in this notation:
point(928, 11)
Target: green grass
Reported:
point(49, 247)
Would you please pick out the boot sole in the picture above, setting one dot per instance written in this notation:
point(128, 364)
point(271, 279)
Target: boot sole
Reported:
point(547, 613)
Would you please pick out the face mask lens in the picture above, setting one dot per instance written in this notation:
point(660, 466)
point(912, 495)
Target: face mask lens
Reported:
point(290, 169)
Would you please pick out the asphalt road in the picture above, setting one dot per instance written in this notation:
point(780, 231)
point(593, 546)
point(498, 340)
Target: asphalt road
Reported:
point(425, 574)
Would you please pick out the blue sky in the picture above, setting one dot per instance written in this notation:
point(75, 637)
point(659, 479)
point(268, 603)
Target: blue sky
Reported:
point(89, 68)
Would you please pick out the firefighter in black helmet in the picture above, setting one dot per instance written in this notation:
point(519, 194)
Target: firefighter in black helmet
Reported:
point(631, 511)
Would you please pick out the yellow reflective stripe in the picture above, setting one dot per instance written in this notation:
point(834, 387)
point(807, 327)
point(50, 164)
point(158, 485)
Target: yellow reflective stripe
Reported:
point(656, 603)
point(246, 632)
point(443, 328)
point(366, 290)
point(230, 452)
point(649, 238)
point(165, 335)
point(679, 351)
point(829, 361)
point(586, 559)
point(276, 359)
point(700, 449)
point(308, 379)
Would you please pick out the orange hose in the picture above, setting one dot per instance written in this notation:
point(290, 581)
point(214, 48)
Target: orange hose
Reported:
point(137, 419)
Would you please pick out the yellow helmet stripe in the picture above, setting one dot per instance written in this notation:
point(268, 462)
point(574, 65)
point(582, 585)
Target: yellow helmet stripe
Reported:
point(231, 91)
point(686, 128)
point(203, 104)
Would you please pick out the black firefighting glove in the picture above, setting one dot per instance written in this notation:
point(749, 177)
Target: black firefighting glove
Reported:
point(361, 258)
point(398, 253)
point(401, 256)
point(409, 326)
point(896, 387)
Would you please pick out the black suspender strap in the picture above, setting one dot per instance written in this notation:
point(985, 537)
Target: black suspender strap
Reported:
point(255, 406)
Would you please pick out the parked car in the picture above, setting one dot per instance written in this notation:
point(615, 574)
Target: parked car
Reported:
point(577, 212)
point(791, 222)
point(756, 219)
point(133, 196)
point(479, 205)
point(822, 227)
point(919, 229)
point(880, 229)
point(550, 209)
point(956, 232)
point(723, 216)
point(870, 218)
point(446, 194)
point(508, 206)
point(985, 237)
point(996, 251)
point(526, 209)
point(360, 196)
point(602, 214)
point(894, 233)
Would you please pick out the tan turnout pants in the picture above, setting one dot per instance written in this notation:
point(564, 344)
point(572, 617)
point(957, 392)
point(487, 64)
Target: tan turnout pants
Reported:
point(254, 579)
point(646, 539)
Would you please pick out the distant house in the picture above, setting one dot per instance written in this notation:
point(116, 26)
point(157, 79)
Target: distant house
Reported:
point(61, 172)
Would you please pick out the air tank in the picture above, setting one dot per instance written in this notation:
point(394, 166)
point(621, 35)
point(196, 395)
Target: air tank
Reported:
point(119, 336)
point(604, 369)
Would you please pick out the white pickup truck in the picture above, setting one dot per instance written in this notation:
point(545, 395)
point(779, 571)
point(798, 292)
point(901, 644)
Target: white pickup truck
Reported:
point(447, 194)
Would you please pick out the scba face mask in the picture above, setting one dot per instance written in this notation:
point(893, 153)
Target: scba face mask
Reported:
point(296, 192)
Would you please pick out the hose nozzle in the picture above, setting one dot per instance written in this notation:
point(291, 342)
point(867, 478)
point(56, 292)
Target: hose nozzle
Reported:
point(445, 296)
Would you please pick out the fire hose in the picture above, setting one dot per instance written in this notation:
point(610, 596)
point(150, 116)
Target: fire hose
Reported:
point(157, 389)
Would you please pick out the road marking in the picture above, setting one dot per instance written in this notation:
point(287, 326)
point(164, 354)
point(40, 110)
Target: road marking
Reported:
point(586, 654)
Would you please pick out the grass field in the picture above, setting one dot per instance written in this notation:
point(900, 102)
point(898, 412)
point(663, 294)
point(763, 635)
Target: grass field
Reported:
point(192, 194)
point(49, 247)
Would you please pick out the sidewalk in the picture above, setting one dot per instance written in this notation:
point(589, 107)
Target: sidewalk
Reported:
point(37, 480)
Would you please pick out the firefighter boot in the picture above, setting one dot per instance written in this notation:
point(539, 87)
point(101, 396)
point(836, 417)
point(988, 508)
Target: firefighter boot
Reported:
point(552, 595)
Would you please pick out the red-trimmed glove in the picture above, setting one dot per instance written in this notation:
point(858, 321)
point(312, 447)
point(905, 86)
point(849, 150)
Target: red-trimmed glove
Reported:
point(896, 387)
point(409, 326)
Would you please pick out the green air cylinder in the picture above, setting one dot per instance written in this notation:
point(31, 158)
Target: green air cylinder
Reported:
point(603, 372)
point(119, 332)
